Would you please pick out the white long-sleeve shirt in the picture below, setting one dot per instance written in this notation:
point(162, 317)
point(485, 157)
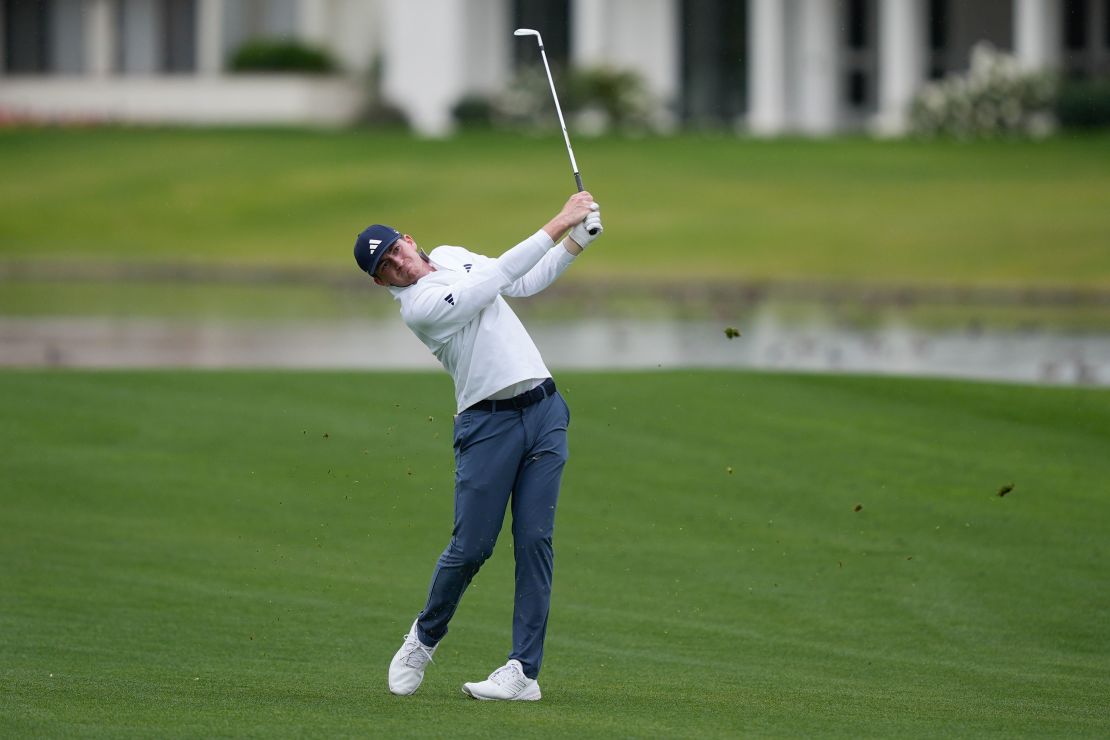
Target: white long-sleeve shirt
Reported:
point(459, 313)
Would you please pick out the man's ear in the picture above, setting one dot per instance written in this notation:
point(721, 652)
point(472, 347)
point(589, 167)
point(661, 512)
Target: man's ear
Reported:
point(378, 280)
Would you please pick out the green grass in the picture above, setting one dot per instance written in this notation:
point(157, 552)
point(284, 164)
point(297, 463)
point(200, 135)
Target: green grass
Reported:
point(238, 554)
point(193, 300)
point(686, 208)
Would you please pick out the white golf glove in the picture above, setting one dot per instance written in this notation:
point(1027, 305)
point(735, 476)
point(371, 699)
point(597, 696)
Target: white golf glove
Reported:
point(581, 231)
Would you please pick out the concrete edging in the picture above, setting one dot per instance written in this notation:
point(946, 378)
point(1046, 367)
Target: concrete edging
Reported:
point(313, 100)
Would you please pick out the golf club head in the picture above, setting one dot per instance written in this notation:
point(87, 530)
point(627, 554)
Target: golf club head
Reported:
point(529, 32)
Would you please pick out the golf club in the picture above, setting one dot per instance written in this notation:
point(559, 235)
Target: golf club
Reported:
point(558, 109)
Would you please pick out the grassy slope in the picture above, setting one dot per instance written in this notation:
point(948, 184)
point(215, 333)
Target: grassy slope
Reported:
point(696, 207)
point(187, 554)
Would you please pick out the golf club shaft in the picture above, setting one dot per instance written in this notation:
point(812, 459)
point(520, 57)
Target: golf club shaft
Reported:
point(563, 124)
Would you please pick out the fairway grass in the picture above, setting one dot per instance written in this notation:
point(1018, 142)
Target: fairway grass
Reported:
point(192, 554)
point(997, 212)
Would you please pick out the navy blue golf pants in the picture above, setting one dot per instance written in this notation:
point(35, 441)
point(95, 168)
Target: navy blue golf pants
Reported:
point(504, 457)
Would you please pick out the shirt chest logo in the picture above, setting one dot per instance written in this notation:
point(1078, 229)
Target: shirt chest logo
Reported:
point(450, 299)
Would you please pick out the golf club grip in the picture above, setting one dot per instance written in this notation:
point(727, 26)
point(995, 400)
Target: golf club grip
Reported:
point(581, 187)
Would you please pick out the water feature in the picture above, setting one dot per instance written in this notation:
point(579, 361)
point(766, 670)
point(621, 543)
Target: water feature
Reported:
point(767, 341)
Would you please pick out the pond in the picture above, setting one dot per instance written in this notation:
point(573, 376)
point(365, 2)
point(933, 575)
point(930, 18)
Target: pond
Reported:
point(766, 341)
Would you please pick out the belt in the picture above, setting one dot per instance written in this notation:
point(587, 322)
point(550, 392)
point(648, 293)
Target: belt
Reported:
point(540, 392)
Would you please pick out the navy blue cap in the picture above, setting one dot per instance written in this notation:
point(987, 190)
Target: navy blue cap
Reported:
point(371, 245)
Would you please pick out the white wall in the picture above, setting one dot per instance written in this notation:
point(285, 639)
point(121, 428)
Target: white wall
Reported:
point(642, 35)
point(191, 100)
point(488, 53)
point(439, 50)
point(356, 33)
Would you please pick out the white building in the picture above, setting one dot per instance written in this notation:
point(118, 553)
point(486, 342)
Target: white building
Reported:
point(766, 66)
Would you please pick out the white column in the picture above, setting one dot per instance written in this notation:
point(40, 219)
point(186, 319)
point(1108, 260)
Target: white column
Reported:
point(1037, 33)
point(655, 51)
point(210, 37)
point(818, 84)
point(901, 62)
point(488, 53)
point(637, 35)
point(425, 61)
point(314, 21)
point(358, 36)
point(100, 39)
point(589, 24)
point(767, 69)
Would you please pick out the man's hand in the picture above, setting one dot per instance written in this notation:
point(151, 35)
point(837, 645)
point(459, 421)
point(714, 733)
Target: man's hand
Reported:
point(586, 231)
point(577, 208)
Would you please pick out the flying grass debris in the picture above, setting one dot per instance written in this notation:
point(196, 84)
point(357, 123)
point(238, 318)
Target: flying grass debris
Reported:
point(732, 332)
point(858, 507)
point(1005, 489)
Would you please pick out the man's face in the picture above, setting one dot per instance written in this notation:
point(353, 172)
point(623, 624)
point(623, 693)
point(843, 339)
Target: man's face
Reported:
point(401, 265)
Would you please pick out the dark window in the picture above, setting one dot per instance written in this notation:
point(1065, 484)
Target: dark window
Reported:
point(857, 89)
point(26, 36)
point(714, 53)
point(1075, 24)
point(938, 24)
point(552, 19)
point(1106, 22)
point(179, 36)
point(857, 24)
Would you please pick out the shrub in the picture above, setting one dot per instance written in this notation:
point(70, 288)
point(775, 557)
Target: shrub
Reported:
point(617, 98)
point(995, 97)
point(526, 102)
point(1084, 104)
point(598, 99)
point(275, 55)
point(473, 111)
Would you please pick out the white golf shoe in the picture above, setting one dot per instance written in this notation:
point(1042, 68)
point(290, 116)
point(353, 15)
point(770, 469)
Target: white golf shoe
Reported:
point(507, 683)
point(406, 671)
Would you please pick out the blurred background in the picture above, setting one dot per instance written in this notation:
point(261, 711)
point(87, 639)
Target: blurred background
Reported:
point(894, 186)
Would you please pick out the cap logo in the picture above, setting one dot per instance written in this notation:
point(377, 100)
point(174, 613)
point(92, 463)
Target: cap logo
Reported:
point(373, 244)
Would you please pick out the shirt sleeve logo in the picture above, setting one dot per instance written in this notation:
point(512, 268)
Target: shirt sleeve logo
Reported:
point(467, 266)
point(450, 299)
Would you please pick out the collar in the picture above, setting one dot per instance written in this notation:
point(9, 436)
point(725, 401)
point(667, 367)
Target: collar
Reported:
point(396, 291)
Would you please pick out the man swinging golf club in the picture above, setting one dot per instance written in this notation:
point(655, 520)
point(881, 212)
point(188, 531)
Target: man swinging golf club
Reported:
point(510, 431)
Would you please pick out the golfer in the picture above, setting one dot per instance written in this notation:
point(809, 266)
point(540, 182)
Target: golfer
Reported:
point(510, 433)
